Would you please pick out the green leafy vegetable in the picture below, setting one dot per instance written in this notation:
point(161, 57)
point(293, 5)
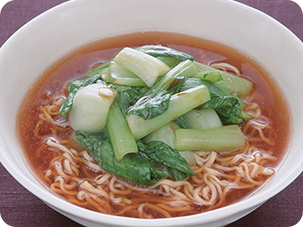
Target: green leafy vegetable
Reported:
point(213, 76)
point(120, 75)
point(90, 107)
point(181, 122)
point(215, 89)
point(132, 167)
point(149, 108)
point(159, 50)
point(180, 103)
point(156, 100)
point(127, 96)
point(75, 85)
point(202, 119)
point(225, 138)
point(143, 168)
point(228, 108)
point(191, 83)
point(145, 66)
point(170, 61)
point(163, 153)
point(122, 139)
point(157, 86)
point(235, 84)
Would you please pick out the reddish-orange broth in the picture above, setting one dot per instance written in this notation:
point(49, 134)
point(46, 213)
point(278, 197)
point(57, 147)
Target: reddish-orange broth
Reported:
point(81, 61)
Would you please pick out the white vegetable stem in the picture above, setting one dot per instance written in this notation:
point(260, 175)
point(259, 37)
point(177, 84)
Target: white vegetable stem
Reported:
point(202, 119)
point(122, 139)
point(225, 138)
point(90, 108)
point(180, 103)
point(235, 84)
point(122, 76)
point(147, 67)
point(166, 134)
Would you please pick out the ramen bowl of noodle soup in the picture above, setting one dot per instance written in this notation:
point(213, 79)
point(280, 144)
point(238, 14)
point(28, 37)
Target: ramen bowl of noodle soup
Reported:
point(119, 113)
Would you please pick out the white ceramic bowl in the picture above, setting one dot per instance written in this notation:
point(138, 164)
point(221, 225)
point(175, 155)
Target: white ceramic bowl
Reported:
point(60, 30)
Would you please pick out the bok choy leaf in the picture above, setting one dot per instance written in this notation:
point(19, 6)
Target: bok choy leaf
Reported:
point(159, 50)
point(127, 96)
point(149, 108)
point(161, 152)
point(228, 108)
point(156, 100)
point(146, 167)
point(132, 167)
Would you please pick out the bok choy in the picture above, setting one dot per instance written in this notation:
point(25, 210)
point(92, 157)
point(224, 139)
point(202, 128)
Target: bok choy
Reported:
point(141, 114)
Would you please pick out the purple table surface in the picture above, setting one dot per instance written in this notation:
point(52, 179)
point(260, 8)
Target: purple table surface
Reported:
point(18, 207)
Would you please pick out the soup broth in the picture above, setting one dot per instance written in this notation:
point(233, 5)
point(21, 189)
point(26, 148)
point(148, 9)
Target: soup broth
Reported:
point(69, 171)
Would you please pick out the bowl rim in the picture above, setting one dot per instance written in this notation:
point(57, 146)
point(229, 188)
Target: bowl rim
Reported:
point(65, 206)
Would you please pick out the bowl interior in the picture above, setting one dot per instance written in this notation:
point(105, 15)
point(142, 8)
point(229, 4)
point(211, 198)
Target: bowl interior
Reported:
point(42, 42)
